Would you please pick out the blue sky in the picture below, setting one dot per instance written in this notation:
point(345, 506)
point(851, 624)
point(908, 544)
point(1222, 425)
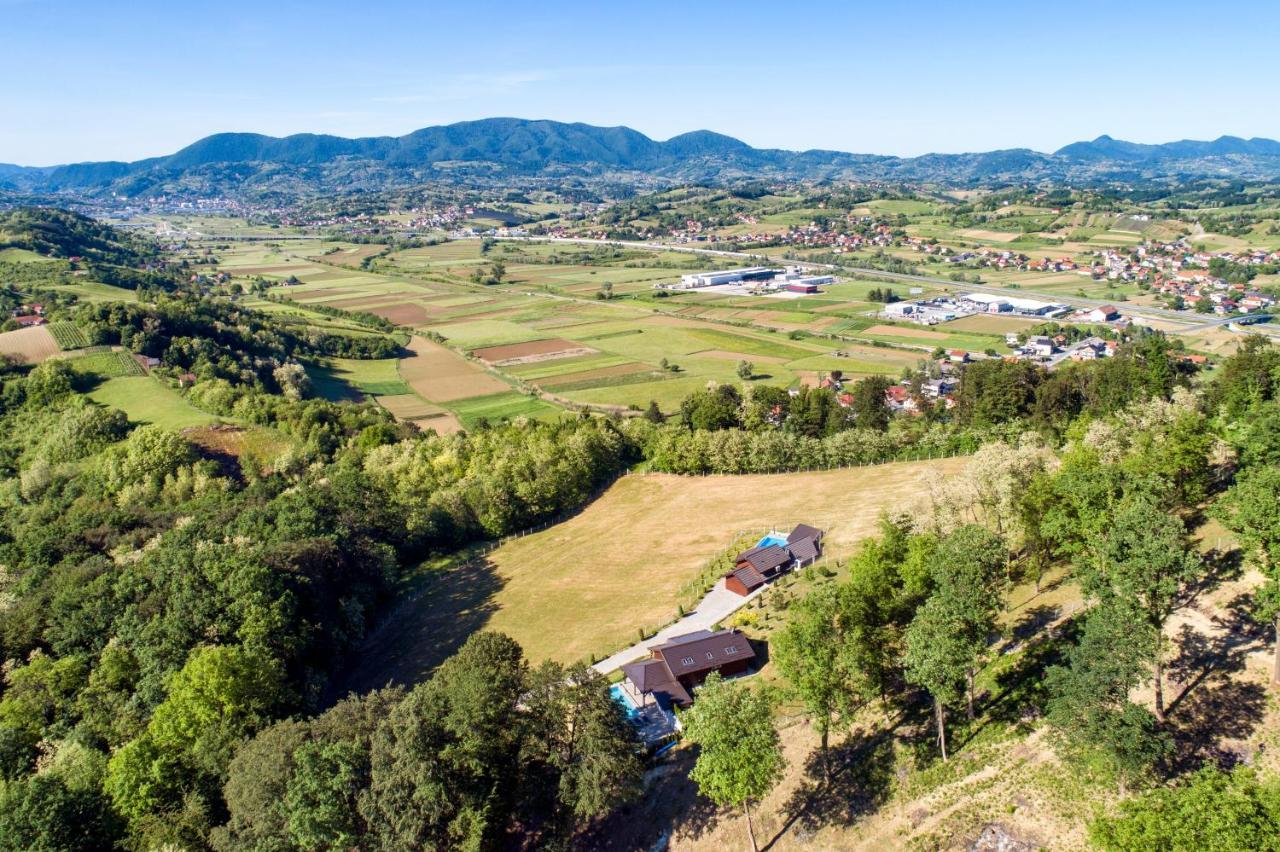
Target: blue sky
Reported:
point(125, 80)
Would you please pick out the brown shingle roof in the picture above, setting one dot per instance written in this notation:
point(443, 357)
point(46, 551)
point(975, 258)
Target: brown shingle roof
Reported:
point(765, 558)
point(804, 531)
point(748, 576)
point(653, 676)
point(804, 549)
point(697, 652)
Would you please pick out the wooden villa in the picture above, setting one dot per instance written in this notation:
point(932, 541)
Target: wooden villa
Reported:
point(772, 557)
point(676, 667)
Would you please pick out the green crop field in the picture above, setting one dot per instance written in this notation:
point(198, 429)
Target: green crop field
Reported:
point(68, 335)
point(501, 406)
point(108, 364)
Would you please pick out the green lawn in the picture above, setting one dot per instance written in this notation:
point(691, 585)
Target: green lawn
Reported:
point(350, 379)
point(147, 400)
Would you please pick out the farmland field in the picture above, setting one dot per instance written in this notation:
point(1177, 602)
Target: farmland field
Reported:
point(439, 374)
point(421, 413)
point(528, 586)
point(108, 364)
point(353, 379)
point(29, 345)
point(68, 335)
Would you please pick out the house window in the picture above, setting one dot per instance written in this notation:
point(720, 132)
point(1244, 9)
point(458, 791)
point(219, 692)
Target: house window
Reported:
point(710, 656)
point(688, 661)
point(732, 649)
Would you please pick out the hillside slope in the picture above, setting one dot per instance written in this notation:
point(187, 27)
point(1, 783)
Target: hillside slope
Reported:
point(506, 147)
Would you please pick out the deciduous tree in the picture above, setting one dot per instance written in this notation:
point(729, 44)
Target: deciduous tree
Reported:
point(739, 754)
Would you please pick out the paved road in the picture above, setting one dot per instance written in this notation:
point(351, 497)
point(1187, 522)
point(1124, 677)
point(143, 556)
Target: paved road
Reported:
point(718, 605)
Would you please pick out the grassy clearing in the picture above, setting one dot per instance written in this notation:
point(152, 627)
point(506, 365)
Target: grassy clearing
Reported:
point(352, 379)
point(146, 400)
point(582, 587)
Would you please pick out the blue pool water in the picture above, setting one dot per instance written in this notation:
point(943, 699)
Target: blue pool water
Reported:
point(774, 539)
point(623, 699)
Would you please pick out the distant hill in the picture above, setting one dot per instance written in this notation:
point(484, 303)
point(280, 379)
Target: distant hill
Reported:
point(497, 149)
point(1105, 148)
point(61, 234)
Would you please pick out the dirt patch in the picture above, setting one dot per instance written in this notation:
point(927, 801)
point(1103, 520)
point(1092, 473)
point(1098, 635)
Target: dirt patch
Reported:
point(726, 355)
point(905, 331)
point(991, 236)
point(443, 424)
point(283, 269)
point(363, 302)
point(29, 345)
point(349, 257)
point(403, 314)
point(439, 374)
point(534, 350)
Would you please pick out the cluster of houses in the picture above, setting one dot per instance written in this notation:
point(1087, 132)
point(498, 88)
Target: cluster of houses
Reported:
point(772, 557)
point(1174, 269)
point(1056, 350)
point(937, 387)
point(27, 316)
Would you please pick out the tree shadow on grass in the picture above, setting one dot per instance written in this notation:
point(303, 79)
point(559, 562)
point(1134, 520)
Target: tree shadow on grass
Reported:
point(422, 631)
point(1033, 622)
point(862, 773)
point(1018, 694)
point(671, 805)
point(1212, 705)
point(1219, 566)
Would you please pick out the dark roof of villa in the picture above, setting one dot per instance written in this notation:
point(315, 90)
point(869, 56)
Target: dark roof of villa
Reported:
point(653, 676)
point(696, 652)
point(804, 549)
point(748, 576)
point(803, 531)
point(765, 558)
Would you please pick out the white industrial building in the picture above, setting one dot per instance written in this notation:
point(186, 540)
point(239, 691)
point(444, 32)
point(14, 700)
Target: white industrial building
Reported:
point(987, 303)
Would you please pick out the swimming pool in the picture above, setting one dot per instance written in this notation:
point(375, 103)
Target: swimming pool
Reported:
point(620, 696)
point(775, 539)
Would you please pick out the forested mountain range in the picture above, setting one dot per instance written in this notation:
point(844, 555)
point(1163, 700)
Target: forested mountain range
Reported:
point(512, 147)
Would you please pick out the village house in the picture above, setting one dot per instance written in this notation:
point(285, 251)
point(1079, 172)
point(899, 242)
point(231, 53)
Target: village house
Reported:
point(1040, 346)
point(773, 556)
point(676, 667)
